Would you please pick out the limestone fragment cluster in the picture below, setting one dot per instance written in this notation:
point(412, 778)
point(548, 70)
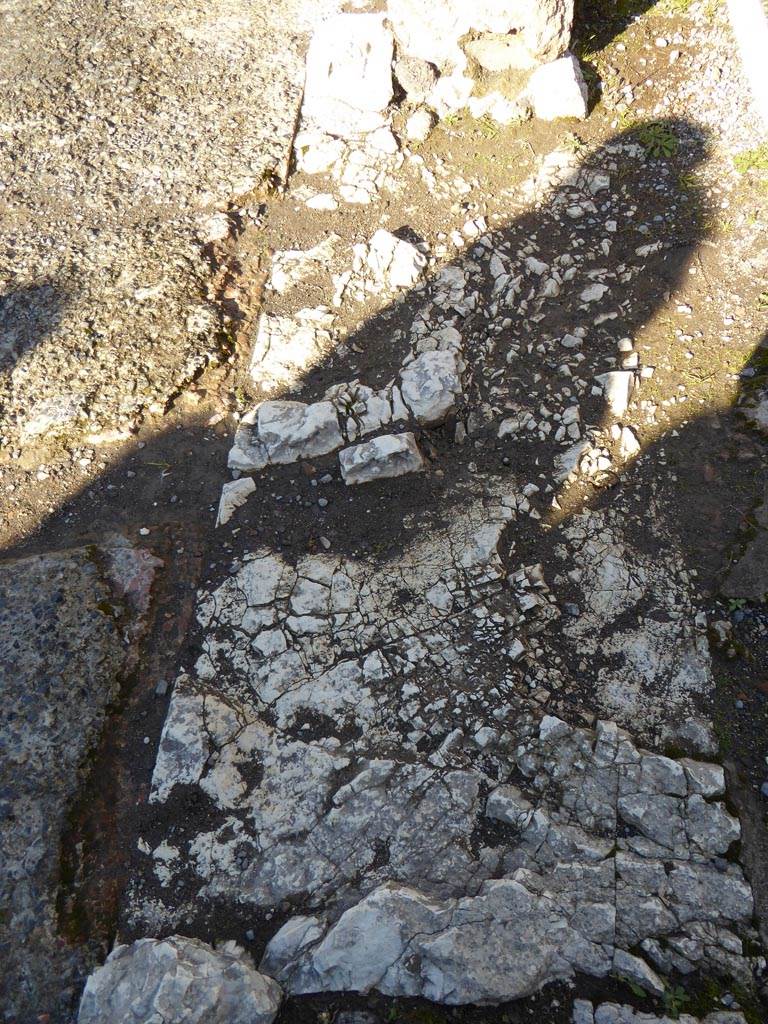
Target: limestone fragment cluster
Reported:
point(436, 52)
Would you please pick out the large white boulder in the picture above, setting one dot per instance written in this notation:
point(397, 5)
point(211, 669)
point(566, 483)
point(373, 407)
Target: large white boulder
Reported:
point(178, 981)
point(349, 75)
point(430, 31)
point(383, 457)
point(558, 90)
point(433, 31)
point(431, 386)
point(544, 26)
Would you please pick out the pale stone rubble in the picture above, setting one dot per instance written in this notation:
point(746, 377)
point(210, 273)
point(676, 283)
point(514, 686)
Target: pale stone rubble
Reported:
point(369, 739)
point(432, 51)
point(614, 1013)
point(178, 981)
point(605, 859)
point(630, 855)
point(427, 390)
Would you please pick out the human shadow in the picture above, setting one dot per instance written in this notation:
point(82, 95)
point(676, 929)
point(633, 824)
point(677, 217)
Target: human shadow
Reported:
point(613, 217)
point(598, 22)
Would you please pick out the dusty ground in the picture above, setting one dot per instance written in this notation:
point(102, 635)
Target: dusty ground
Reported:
point(697, 313)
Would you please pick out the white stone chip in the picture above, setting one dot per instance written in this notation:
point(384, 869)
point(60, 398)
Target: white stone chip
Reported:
point(387, 456)
point(233, 495)
point(558, 90)
point(629, 445)
point(617, 387)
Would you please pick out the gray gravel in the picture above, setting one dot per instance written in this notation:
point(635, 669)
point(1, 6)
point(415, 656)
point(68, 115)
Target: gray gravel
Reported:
point(123, 127)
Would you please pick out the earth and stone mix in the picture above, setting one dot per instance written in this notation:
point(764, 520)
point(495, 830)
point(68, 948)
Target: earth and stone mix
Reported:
point(383, 595)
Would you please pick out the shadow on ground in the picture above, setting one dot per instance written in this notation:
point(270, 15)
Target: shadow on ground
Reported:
point(170, 485)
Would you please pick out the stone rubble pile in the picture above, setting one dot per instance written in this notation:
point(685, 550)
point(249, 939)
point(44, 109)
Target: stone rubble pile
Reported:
point(570, 849)
point(280, 432)
point(505, 60)
point(614, 1013)
point(427, 391)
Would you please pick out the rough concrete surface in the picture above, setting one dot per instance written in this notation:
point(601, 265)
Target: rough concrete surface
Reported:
point(68, 624)
point(126, 128)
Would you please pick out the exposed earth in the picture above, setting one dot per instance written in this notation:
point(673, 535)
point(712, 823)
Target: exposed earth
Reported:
point(385, 527)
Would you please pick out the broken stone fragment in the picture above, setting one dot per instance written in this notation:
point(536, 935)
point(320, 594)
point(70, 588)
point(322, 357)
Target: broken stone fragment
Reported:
point(502, 944)
point(629, 446)
point(617, 386)
point(394, 262)
point(558, 90)
point(507, 804)
point(349, 75)
point(282, 432)
point(233, 495)
point(431, 386)
point(416, 77)
point(286, 347)
point(419, 125)
point(636, 970)
point(496, 52)
point(293, 265)
point(499, 108)
point(178, 980)
point(387, 456)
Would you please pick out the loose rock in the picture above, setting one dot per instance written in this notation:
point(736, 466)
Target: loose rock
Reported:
point(178, 981)
point(387, 456)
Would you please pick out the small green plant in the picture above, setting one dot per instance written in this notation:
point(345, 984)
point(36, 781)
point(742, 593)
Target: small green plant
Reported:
point(657, 138)
point(636, 990)
point(573, 143)
point(752, 159)
point(487, 126)
point(762, 302)
point(675, 999)
point(689, 182)
point(735, 604)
